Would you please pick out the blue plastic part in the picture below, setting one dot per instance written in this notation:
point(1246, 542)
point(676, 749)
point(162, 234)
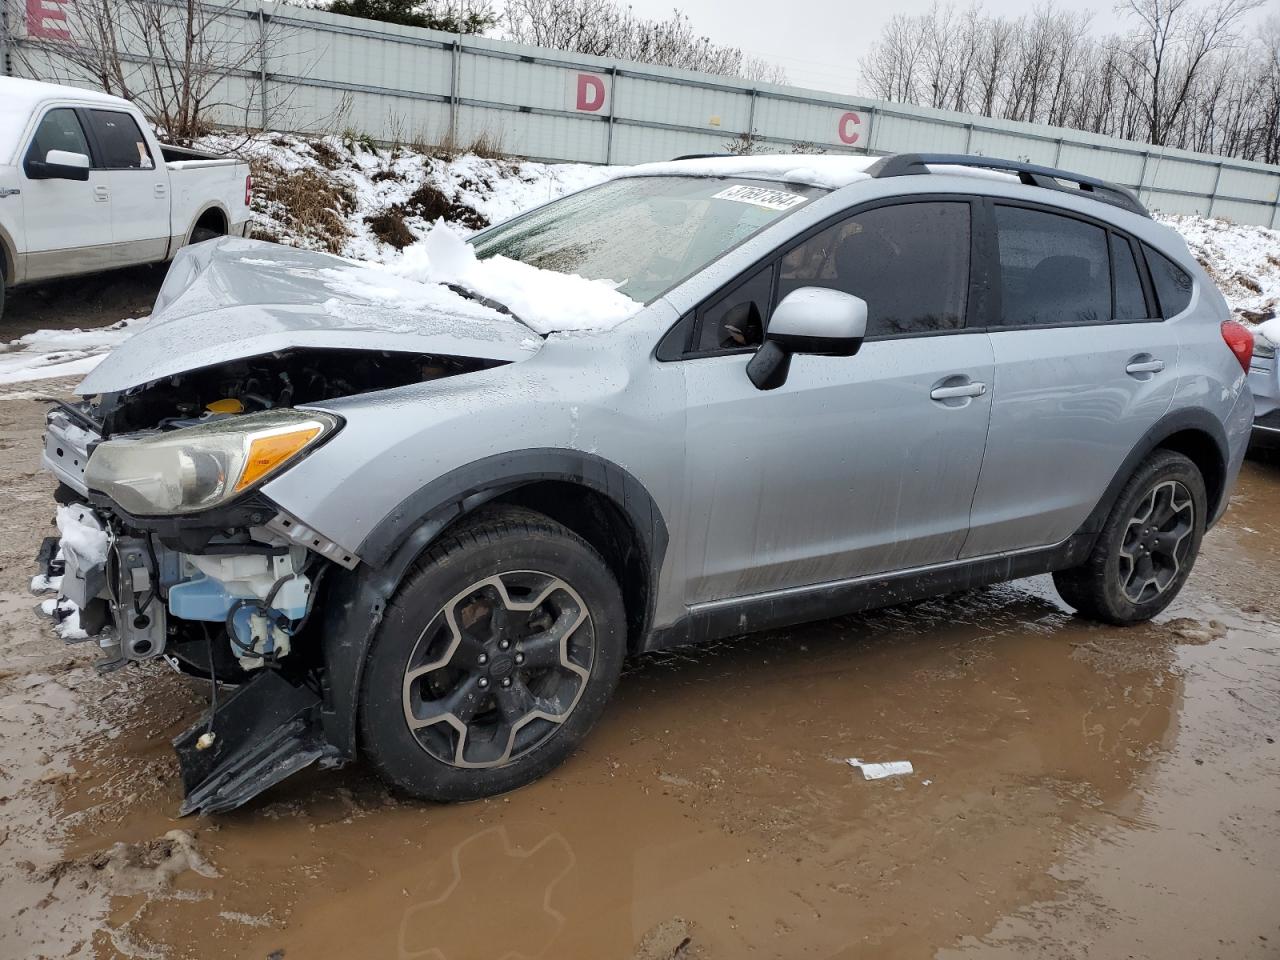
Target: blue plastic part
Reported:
point(206, 599)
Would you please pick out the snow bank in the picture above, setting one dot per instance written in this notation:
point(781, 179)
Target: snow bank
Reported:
point(1243, 260)
point(545, 300)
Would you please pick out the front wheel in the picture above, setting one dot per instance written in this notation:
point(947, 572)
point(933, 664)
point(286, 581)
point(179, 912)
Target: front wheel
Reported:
point(1147, 548)
point(494, 659)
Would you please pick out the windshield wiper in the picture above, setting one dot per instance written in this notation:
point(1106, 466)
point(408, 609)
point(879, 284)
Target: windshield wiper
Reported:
point(489, 302)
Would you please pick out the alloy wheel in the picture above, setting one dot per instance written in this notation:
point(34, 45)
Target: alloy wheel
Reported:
point(498, 669)
point(1156, 541)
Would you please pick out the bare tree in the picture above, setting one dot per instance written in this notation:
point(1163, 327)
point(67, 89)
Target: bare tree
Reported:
point(184, 62)
point(1171, 47)
point(602, 28)
point(1182, 74)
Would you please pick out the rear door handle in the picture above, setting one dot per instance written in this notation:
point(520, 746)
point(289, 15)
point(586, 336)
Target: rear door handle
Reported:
point(1145, 366)
point(101, 193)
point(973, 389)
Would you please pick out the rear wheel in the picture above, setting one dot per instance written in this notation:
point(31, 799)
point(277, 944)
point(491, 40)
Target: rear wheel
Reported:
point(494, 659)
point(1146, 549)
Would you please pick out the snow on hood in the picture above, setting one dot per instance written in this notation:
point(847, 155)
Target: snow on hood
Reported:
point(547, 301)
point(229, 299)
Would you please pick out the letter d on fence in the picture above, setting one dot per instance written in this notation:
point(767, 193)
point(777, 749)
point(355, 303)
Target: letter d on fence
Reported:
point(590, 92)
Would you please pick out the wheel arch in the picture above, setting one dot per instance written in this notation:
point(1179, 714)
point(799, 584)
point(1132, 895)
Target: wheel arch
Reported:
point(597, 499)
point(1194, 433)
point(8, 259)
point(213, 212)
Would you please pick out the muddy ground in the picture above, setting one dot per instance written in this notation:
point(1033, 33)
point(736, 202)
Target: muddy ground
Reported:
point(1079, 791)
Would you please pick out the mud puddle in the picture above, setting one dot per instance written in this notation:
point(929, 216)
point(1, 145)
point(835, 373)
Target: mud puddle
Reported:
point(1077, 791)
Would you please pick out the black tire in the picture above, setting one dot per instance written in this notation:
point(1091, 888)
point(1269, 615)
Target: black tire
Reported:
point(1110, 585)
point(201, 234)
point(517, 546)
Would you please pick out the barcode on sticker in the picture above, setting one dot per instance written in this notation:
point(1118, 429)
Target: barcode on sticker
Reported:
point(760, 197)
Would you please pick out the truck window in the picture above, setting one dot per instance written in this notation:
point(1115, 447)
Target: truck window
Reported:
point(59, 130)
point(123, 145)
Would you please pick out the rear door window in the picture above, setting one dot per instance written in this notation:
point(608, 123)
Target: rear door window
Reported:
point(909, 262)
point(121, 141)
point(59, 130)
point(1054, 270)
point(1131, 303)
point(1172, 283)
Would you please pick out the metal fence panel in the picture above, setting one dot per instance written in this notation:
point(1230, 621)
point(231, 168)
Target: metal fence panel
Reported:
point(327, 73)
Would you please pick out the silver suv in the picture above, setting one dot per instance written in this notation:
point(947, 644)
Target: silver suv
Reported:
point(428, 536)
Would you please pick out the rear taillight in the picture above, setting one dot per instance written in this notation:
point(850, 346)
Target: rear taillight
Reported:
point(248, 190)
point(1240, 341)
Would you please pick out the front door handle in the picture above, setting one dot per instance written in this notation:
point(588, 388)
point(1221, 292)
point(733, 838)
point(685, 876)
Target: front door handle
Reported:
point(160, 191)
point(971, 389)
point(101, 193)
point(1145, 366)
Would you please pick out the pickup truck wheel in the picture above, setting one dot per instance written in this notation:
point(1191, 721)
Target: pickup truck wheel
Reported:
point(201, 234)
point(1, 288)
point(494, 659)
point(1147, 547)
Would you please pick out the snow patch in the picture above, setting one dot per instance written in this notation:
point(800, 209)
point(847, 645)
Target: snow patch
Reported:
point(61, 353)
point(544, 299)
point(82, 534)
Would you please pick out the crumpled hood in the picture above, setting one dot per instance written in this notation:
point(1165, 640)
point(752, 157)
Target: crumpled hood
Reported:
point(230, 299)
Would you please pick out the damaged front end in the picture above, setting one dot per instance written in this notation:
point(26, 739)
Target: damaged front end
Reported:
point(168, 547)
point(219, 586)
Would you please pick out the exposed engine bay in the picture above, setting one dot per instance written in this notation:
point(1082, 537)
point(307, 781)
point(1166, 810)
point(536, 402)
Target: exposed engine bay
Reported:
point(282, 379)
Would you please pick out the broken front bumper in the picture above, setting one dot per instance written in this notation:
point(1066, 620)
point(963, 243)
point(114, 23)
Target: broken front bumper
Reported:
point(125, 595)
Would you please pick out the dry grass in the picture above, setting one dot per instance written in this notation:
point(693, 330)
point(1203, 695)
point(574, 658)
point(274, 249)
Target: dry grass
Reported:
point(311, 206)
point(389, 227)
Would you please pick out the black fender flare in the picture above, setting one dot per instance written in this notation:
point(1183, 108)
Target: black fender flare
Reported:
point(1175, 422)
point(355, 600)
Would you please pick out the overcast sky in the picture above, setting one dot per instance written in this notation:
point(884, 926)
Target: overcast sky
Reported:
point(819, 42)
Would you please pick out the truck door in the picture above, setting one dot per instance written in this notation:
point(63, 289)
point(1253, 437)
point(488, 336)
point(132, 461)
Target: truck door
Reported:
point(67, 222)
point(137, 184)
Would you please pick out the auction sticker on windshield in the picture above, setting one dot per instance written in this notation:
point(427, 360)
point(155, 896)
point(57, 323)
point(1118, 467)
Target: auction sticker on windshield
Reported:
point(760, 197)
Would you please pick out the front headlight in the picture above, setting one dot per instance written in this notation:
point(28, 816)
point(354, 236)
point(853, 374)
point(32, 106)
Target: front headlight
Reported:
point(199, 467)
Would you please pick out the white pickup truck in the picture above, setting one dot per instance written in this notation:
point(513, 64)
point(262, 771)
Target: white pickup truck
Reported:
point(85, 186)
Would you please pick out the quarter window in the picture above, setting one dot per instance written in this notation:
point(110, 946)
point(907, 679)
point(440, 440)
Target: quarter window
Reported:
point(736, 319)
point(1131, 303)
point(1053, 270)
point(123, 145)
point(1172, 283)
point(909, 262)
point(59, 130)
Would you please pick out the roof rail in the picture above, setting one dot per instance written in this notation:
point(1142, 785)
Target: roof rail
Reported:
point(701, 156)
point(910, 164)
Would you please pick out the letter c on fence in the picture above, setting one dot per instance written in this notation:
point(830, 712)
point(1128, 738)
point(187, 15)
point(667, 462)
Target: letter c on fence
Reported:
point(590, 92)
point(847, 122)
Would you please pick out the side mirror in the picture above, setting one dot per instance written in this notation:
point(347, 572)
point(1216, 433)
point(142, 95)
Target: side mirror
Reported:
point(59, 165)
point(815, 320)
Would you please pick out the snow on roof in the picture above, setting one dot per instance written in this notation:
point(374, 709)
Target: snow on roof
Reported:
point(18, 98)
point(827, 172)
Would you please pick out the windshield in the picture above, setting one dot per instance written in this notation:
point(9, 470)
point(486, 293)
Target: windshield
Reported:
point(644, 233)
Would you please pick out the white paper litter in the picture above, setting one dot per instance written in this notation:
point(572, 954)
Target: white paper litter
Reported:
point(878, 771)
